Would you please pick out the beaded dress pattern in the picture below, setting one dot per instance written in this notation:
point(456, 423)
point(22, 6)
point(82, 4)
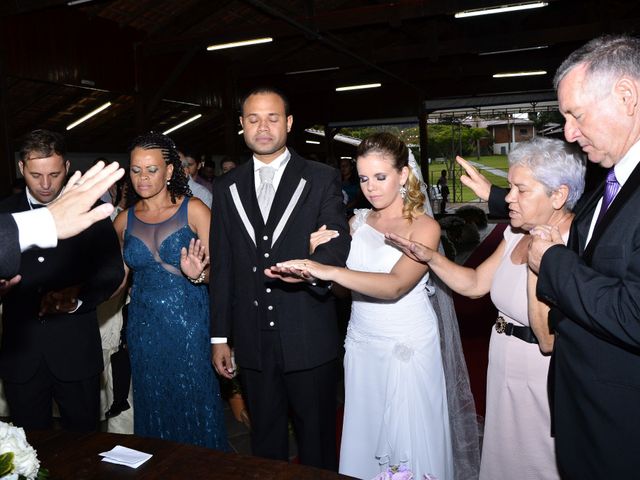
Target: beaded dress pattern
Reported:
point(175, 392)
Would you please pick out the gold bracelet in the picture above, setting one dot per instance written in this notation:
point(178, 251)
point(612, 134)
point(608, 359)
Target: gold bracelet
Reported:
point(198, 280)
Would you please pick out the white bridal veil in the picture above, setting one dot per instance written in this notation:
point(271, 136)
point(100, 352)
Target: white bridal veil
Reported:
point(462, 412)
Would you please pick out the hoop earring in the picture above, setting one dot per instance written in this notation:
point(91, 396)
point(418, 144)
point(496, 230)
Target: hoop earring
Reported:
point(403, 192)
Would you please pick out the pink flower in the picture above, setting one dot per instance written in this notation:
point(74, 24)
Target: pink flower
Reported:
point(402, 475)
point(395, 473)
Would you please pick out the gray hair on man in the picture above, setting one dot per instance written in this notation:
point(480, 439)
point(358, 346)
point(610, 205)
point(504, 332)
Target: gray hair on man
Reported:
point(606, 57)
point(553, 163)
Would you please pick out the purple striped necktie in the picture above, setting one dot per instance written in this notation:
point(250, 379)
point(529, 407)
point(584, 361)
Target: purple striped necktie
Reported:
point(610, 190)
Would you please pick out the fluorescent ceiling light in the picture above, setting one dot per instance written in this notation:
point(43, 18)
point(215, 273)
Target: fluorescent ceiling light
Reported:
point(346, 158)
point(358, 87)
point(500, 9)
point(313, 70)
point(519, 74)
point(513, 50)
point(180, 125)
point(313, 142)
point(77, 2)
point(242, 43)
point(89, 115)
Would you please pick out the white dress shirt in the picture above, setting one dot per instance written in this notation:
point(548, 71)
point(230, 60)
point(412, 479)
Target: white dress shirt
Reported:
point(623, 170)
point(278, 165)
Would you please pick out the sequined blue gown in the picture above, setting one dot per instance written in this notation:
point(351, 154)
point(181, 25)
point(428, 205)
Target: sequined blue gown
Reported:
point(175, 392)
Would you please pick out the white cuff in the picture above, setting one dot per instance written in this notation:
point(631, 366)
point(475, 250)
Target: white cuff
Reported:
point(218, 340)
point(36, 229)
point(77, 307)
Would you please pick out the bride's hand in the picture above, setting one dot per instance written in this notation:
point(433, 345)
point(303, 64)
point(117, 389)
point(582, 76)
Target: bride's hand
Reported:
point(194, 260)
point(320, 236)
point(414, 250)
point(305, 269)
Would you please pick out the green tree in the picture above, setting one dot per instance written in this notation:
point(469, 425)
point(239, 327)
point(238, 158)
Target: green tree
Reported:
point(478, 134)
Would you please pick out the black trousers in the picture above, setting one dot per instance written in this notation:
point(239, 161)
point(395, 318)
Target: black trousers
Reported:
point(308, 395)
point(30, 403)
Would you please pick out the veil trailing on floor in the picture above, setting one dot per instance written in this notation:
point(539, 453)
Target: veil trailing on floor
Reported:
point(463, 420)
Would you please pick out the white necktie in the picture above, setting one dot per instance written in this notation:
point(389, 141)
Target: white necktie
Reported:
point(266, 192)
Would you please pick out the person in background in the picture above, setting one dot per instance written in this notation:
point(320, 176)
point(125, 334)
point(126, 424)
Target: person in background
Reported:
point(197, 190)
point(207, 174)
point(350, 184)
point(227, 165)
point(197, 170)
point(443, 187)
point(51, 343)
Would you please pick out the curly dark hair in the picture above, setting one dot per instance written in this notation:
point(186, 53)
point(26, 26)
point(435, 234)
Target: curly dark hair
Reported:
point(178, 184)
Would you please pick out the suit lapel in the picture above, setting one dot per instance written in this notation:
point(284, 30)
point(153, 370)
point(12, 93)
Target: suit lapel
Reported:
point(291, 192)
point(243, 198)
point(629, 189)
point(582, 222)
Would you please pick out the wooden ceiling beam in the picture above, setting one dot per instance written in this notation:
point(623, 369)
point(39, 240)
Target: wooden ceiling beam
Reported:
point(323, 22)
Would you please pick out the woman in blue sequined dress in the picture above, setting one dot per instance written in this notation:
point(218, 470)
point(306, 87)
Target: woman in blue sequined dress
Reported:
point(164, 236)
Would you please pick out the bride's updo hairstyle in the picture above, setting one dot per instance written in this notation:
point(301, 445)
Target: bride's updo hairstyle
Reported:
point(392, 148)
point(178, 184)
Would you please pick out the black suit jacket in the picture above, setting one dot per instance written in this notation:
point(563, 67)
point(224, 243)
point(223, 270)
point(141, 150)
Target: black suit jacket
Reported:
point(10, 247)
point(68, 343)
point(596, 288)
point(243, 300)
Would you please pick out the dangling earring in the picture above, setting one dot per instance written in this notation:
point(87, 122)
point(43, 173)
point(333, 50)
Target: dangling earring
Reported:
point(168, 182)
point(403, 192)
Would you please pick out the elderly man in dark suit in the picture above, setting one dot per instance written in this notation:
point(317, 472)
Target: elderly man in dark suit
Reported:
point(594, 282)
point(284, 334)
point(51, 343)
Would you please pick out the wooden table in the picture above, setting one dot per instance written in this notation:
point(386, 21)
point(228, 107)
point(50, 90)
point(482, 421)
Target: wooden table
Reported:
point(69, 455)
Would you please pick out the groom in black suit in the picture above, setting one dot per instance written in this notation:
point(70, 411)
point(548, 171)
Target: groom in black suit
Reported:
point(50, 339)
point(284, 333)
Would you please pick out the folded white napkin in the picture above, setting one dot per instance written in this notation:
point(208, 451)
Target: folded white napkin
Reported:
point(125, 456)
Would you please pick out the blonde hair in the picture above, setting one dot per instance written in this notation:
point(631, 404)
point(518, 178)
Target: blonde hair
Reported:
point(391, 146)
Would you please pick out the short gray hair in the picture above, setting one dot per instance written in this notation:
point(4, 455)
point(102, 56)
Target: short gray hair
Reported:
point(606, 56)
point(553, 163)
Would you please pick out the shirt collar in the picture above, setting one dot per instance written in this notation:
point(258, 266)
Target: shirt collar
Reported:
point(32, 201)
point(276, 164)
point(627, 164)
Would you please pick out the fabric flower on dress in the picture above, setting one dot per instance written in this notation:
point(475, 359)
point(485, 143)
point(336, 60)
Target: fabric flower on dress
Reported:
point(403, 352)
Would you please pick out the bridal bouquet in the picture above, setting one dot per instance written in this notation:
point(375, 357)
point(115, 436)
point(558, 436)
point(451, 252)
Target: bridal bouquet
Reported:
point(18, 459)
point(401, 472)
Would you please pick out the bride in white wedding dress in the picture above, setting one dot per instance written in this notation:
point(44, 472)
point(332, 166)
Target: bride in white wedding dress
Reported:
point(396, 409)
